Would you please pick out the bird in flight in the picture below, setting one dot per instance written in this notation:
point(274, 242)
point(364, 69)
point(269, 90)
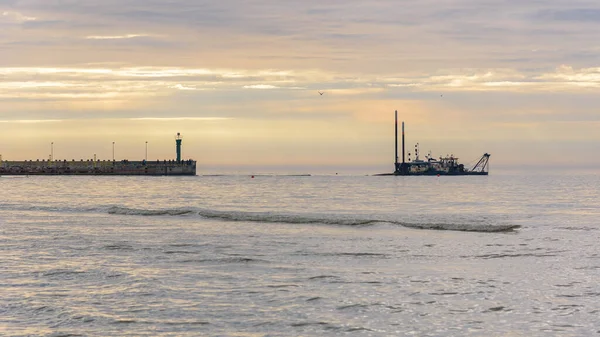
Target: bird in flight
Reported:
point(321, 93)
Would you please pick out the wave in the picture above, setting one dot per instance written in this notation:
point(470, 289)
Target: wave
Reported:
point(146, 212)
point(464, 227)
point(352, 220)
point(289, 218)
point(332, 219)
point(48, 208)
point(225, 260)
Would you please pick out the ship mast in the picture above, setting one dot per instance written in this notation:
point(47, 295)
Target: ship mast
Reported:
point(396, 142)
point(399, 168)
point(403, 162)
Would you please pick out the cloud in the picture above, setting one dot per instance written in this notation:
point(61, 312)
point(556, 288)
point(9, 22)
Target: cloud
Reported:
point(564, 78)
point(35, 85)
point(115, 37)
point(372, 37)
point(260, 86)
point(183, 87)
point(30, 121)
point(17, 17)
point(494, 61)
point(135, 83)
point(181, 119)
point(577, 15)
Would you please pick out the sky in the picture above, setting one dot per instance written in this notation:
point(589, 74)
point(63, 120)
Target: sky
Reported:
point(240, 80)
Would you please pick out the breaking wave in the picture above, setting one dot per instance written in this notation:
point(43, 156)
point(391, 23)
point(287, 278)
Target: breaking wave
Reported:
point(147, 212)
point(333, 219)
point(287, 218)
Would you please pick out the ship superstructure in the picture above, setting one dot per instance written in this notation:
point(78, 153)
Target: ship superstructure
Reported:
point(172, 167)
point(447, 165)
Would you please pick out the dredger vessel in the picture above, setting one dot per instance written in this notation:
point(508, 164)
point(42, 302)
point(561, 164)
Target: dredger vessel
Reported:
point(447, 165)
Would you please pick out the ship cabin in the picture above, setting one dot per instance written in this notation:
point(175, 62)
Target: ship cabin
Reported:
point(443, 165)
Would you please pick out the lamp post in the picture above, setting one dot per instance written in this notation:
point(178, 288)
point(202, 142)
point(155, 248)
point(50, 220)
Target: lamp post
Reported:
point(146, 157)
point(52, 151)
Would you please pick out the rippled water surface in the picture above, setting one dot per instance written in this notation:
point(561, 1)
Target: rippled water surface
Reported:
point(513, 254)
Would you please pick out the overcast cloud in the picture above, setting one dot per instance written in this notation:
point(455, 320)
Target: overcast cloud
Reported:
point(490, 70)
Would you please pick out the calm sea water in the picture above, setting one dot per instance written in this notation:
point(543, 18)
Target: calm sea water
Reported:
point(503, 255)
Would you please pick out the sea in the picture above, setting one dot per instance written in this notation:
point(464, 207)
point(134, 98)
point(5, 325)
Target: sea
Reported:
point(509, 254)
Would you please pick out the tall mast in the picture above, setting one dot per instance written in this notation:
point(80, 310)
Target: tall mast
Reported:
point(403, 151)
point(396, 140)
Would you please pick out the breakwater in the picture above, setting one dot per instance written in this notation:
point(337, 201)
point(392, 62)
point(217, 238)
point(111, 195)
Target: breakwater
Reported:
point(99, 167)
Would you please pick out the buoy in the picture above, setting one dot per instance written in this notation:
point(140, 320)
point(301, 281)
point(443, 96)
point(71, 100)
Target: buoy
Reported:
point(438, 174)
point(252, 177)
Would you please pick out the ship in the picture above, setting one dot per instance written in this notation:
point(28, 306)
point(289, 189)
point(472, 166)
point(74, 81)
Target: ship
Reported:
point(447, 165)
point(96, 167)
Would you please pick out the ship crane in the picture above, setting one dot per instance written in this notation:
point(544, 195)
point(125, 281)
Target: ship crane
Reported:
point(482, 164)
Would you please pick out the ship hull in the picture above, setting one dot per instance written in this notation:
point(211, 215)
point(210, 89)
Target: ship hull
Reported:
point(435, 174)
point(441, 173)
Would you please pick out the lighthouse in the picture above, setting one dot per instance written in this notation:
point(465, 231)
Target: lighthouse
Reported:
point(178, 140)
